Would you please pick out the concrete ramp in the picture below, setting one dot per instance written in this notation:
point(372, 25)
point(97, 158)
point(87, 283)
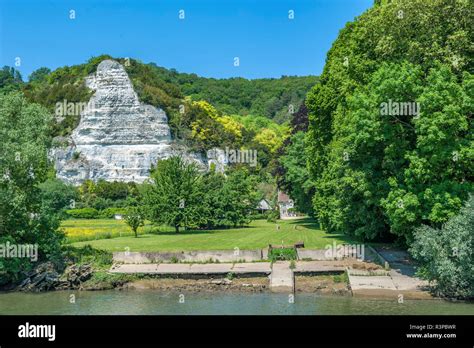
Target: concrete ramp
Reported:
point(282, 278)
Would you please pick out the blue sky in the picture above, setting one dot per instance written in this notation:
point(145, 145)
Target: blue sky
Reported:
point(205, 42)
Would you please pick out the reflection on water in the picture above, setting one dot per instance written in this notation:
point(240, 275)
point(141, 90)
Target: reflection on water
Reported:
point(154, 303)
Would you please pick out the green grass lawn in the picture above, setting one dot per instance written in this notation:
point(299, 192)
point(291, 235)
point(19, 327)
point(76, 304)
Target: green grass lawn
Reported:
point(258, 234)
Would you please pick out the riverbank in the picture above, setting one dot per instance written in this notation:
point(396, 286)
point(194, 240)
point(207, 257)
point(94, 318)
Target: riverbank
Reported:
point(323, 285)
point(89, 269)
point(84, 277)
point(326, 284)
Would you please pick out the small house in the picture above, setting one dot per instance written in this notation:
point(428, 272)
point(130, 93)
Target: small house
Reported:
point(263, 206)
point(285, 203)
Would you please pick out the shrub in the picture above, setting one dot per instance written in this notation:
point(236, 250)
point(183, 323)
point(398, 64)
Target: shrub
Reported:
point(446, 254)
point(265, 215)
point(109, 213)
point(83, 213)
point(88, 255)
point(273, 216)
point(76, 155)
point(57, 196)
point(341, 278)
point(100, 203)
point(258, 216)
point(281, 254)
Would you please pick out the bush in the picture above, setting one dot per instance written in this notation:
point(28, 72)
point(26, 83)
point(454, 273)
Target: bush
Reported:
point(282, 254)
point(87, 255)
point(198, 200)
point(446, 254)
point(341, 278)
point(100, 203)
point(258, 216)
point(273, 216)
point(57, 196)
point(109, 213)
point(83, 213)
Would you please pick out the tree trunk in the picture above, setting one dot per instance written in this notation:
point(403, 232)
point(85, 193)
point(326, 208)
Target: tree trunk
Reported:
point(136, 234)
point(176, 228)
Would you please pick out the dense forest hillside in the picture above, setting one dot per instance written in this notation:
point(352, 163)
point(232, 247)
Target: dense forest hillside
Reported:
point(202, 112)
point(266, 97)
point(274, 98)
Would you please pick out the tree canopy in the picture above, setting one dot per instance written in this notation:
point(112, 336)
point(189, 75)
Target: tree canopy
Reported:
point(24, 219)
point(380, 174)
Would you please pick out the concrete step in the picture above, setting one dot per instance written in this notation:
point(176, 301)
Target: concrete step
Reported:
point(282, 278)
point(317, 266)
point(371, 282)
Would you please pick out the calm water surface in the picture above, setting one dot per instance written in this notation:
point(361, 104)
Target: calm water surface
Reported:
point(154, 303)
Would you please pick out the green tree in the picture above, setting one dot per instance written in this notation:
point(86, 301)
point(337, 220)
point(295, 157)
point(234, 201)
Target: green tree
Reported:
point(296, 179)
point(172, 196)
point(10, 79)
point(238, 197)
point(58, 196)
point(380, 175)
point(438, 170)
point(213, 203)
point(446, 254)
point(23, 166)
point(135, 219)
point(39, 75)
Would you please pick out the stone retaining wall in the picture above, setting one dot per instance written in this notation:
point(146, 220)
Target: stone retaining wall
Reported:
point(324, 255)
point(189, 256)
point(311, 254)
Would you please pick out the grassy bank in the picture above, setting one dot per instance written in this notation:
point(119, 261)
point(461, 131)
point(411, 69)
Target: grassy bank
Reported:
point(258, 234)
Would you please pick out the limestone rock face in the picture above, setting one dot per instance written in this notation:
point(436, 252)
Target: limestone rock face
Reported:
point(118, 137)
point(216, 157)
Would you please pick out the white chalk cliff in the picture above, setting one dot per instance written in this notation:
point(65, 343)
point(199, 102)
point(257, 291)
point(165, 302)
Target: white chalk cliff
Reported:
point(118, 137)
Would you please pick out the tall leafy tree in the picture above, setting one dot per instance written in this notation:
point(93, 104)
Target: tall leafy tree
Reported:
point(438, 174)
point(296, 179)
point(379, 175)
point(10, 79)
point(24, 130)
point(39, 75)
point(239, 197)
point(172, 196)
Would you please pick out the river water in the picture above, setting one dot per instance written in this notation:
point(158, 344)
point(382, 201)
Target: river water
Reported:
point(149, 302)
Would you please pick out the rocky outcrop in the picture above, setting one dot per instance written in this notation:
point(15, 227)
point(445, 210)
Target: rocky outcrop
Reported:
point(217, 158)
point(118, 137)
point(46, 277)
point(43, 277)
point(74, 276)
